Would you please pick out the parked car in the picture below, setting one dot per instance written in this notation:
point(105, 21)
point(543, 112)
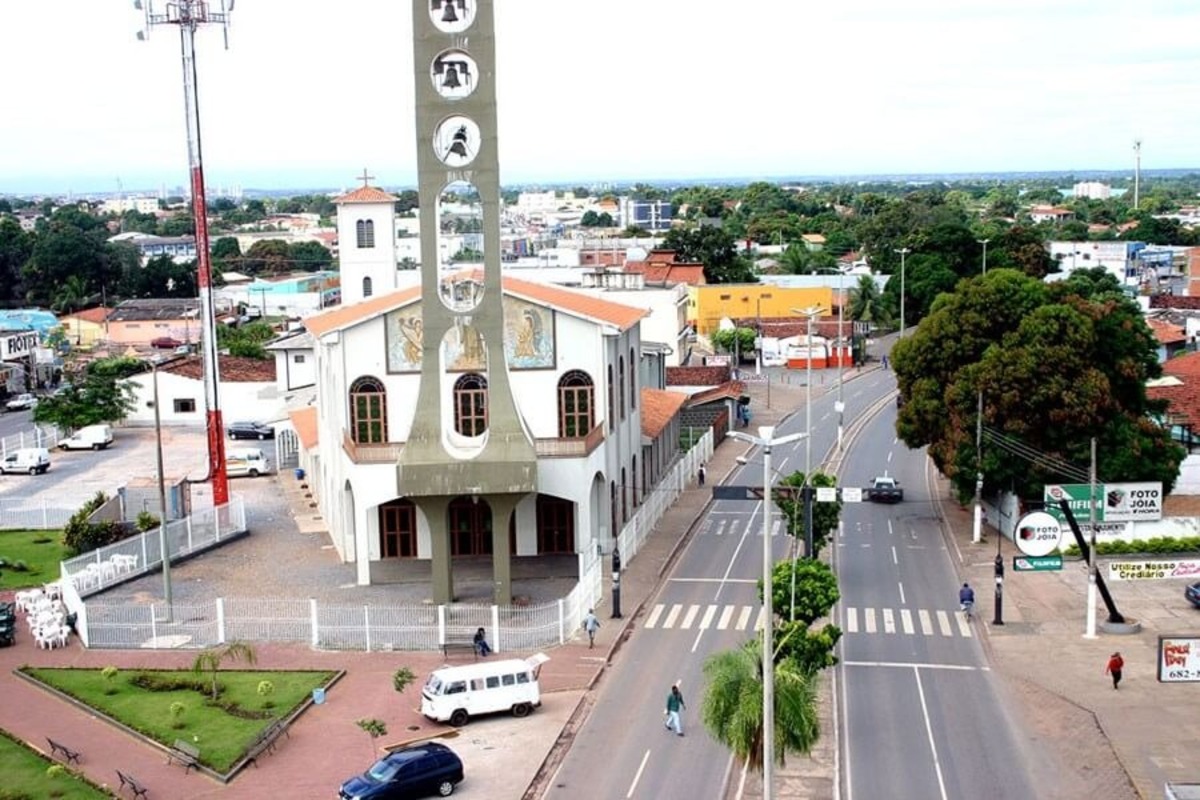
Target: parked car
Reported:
point(250, 430)
point(22, 402)
point(415, 771)
point(165, 343)
point(89, 437)
point(1192, 593)
point(30, 460)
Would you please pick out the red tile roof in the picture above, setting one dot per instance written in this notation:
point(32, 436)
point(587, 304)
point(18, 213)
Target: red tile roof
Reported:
point(95, 315)
point(584, 305)
point(727, 390)
point(233, 369)
point(305, 422)
point(1185, 366)
point(1165, 332)
point(658, 409)
point(366, 194)
point(668, 273)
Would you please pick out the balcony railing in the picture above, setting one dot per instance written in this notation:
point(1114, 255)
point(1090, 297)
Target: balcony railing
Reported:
point(384, 453)
point(570, 448)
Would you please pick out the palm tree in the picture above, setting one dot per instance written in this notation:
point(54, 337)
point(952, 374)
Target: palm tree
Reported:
point(210, 660)
point(733, 705)
point(864, 302)
point(71, 295)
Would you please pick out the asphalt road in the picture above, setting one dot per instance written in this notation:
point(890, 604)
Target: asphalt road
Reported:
point(709, 603)
point(921, 715)
point(13, 423)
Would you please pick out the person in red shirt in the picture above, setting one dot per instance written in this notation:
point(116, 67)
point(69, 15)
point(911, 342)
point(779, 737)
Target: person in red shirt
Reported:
point(1115, 665)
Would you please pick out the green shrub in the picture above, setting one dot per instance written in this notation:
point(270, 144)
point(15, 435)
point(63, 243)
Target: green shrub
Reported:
point(146, 521)
point(176, 709)
point(1158, 545)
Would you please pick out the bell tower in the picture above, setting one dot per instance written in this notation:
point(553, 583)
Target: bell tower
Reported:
point(467, 437)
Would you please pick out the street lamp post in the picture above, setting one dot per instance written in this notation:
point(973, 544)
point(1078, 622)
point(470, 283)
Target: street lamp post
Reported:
point(839, 405)
point(810, 312)
point(903, 251)
point(766, 441)
point(758, 327)
point(162, 498)
point(984, 242)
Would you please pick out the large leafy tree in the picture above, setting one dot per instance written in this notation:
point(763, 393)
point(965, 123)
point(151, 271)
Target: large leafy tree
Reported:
point(15, 248)
point(1056, 366)
point(865, 305)
point(732, 709)
point(310, 256)
point(713, 247)
point(100, 394)
point(791, 507)
point(71, 243)
point(267, 257)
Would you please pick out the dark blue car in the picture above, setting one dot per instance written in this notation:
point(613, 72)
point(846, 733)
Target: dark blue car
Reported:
point(415, 771)
point(1192, 593)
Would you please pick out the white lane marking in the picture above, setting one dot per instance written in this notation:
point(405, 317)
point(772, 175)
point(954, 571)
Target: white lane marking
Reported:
point(869, 620)
point(851, 620)
point(713, 580)
point(652, 620)
point(744, 618)
point(638, 775)
point(889, 526)
point(895, 558)
point(902, 600)
point(709, 613)
point(889, 621)
point(929, 732)
point(964, 627)
point(944, 623)
point(733, 560)
point(672, 615)
point(689, 617)
point(906, 622)
point(889, 458)
point(915, 665)
point(723, 622)
point(761, 620)
point(721, 527)
point(926, 622)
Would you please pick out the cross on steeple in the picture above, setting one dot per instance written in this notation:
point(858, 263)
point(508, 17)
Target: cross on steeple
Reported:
point(365, 178)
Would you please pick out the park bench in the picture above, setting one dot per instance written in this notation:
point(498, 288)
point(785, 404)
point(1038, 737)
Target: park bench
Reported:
point(185, 753)
point(459, 643)
point(265, 743)
point(134, 785)
point(72, 756)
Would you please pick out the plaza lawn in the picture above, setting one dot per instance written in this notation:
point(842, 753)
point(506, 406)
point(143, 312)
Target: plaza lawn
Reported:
point(40, 550)
point(24, 775)
point(221, 736)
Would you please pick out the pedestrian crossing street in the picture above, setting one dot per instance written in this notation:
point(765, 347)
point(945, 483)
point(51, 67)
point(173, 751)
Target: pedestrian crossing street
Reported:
point(903, 621)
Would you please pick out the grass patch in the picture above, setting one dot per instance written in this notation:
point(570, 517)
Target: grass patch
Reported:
point(146, 700)
point(24, 772)
point(39, 551)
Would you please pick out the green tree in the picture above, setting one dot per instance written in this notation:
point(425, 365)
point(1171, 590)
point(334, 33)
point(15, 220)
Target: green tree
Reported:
point(791, 507)
point(246, 341)
point(267, 257)
point(732, 708)
point(1056, 365)
point(713, 247)
point(310, 256)
point(16, 246)
point(71, 295)
point(738, 341)
point(101, 394)
point(803, 589)
point(373, 728)
point(865, 305)
point(210, 660)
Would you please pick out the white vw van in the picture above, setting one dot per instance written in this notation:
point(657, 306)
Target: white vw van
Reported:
point(30, 460)
point(455, 694)
point(93, 437)
point(246, 461)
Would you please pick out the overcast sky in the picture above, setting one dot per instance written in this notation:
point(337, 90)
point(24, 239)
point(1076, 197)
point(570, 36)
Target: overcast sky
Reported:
point(310, 93)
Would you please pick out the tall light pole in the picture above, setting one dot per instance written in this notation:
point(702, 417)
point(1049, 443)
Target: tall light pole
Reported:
point(1137, 172)
point(162, 497)
point(189, 15)
point(766, 441)
point(839, 405)
point(810, 312)
point(903, 251)
point(977, 529)
point(984, 242)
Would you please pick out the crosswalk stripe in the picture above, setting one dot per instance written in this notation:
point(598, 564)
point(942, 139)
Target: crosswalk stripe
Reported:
point(851, 620)
point(743, 618)
point(964, 627)
point(870, 620)
point(906, 621)
point(689, 617)
point(655, 613)
point(723, 622)
point(672, 615)
point(720, 528)
point(889, 621)
point(762, 618)
point(926, 622)
point(709, 613)
point(944, 623)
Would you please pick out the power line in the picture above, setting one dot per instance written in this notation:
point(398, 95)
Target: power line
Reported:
point(1039, 459)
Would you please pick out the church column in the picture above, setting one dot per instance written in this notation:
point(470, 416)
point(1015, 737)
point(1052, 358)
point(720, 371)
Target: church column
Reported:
point(503, 507)
point(437, 516)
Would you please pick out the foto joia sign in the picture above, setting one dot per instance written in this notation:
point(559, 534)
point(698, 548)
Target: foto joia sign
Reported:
point(1115, 502)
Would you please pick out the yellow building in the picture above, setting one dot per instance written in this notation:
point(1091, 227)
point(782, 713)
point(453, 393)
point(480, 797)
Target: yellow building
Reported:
point(709, 304)
point(85, 329)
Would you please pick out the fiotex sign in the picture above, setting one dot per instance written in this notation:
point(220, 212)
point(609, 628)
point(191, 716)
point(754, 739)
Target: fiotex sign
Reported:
point(18, 345)
point(1115, 502)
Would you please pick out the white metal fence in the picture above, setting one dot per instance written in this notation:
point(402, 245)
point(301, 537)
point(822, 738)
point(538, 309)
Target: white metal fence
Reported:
point(128, 625)
point(38, 436)
point(29, 514)
point(664, 495)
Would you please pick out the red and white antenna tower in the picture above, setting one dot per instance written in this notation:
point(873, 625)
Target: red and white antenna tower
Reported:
point(189, 15)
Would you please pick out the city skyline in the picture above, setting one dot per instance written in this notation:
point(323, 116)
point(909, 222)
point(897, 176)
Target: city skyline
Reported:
point(608, 94)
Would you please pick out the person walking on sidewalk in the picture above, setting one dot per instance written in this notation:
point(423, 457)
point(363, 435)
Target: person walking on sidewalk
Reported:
point(1115, 665)
point(675, 704)
point(591, 625)
point(700, 473)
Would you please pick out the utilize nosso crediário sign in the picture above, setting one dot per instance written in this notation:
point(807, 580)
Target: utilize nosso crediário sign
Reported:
point(1153, 570)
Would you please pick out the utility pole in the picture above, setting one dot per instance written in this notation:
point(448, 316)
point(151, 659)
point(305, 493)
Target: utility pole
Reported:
point(984, 242)
point(1137, 172)
point(840, 406)
point(189, 15)
point(903, 251)
point(1090, 633)
point(977, 531)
